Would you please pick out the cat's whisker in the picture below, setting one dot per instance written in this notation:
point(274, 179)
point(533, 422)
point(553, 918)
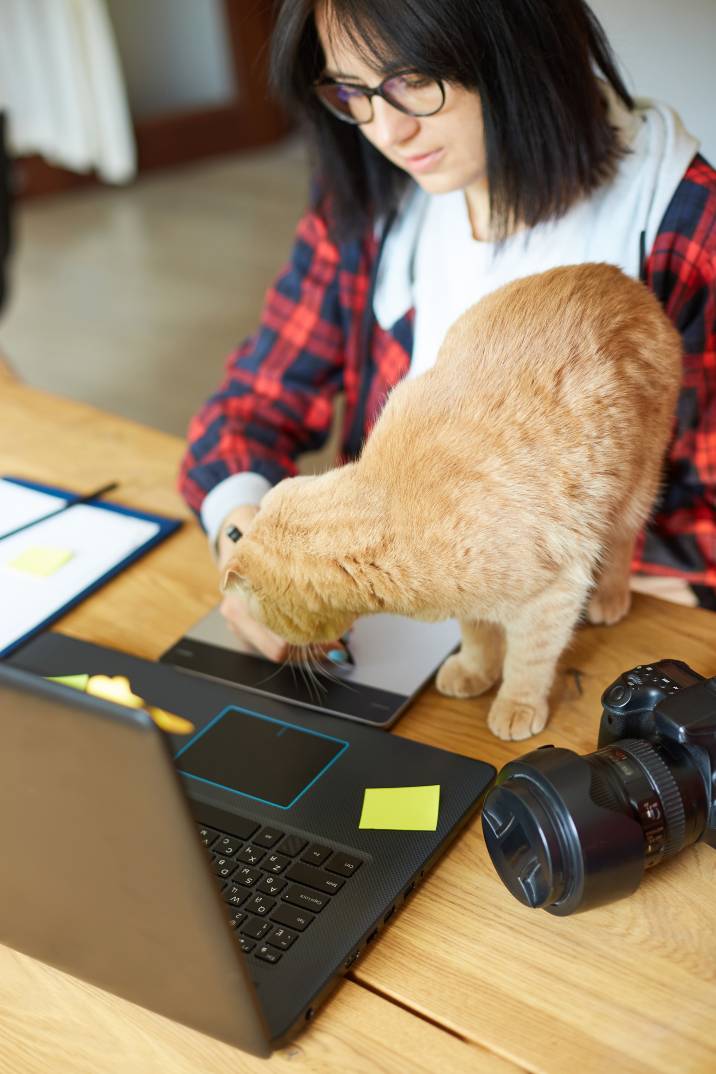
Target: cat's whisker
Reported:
point(285, 662)
point(321, 665)
point(300, 663)
point(318, 668)
point(310, 671)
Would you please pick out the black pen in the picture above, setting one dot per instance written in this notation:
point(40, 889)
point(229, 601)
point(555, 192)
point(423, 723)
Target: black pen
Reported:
point(58, 510)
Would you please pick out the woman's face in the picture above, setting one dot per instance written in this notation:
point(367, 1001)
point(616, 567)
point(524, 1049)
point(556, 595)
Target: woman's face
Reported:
point(442, 152)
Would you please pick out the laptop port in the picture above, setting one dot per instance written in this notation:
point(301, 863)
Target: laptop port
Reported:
point(351, 959)
point(372, 936)
point(388, 916)
point(410, 887)
point(310, 1013)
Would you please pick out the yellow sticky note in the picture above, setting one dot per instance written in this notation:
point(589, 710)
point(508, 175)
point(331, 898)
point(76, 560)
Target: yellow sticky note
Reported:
point(408, 809)
point(41, 561)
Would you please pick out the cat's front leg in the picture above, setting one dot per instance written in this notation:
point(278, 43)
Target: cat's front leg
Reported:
point(478, 665)
point(535, 638)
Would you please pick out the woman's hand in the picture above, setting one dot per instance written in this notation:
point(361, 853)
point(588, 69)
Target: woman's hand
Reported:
point(234, 607)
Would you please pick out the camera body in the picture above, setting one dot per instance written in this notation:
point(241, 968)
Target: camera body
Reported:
point(567, 832)
point(669, 704)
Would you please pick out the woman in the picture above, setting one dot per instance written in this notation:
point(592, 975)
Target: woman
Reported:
point(460, 144)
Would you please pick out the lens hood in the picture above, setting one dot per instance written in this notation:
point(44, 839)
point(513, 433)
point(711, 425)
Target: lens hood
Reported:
point(556, 842)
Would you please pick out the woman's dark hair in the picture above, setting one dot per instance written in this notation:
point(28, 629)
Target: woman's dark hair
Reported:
point(536, 65)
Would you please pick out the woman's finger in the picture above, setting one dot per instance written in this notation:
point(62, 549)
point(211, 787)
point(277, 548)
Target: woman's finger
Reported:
point(249, 630)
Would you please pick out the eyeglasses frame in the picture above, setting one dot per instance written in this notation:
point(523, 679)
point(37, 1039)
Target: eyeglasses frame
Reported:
point(376, 91)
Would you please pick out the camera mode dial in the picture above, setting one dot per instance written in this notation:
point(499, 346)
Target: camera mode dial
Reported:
point(630, 701)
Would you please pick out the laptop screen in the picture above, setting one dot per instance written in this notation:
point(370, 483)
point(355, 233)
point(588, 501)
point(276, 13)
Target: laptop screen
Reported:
point(258, 756)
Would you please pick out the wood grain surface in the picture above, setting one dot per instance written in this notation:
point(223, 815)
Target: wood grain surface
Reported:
point(464, 978)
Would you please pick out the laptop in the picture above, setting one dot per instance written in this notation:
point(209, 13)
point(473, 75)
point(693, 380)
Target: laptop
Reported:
point(219, 875)
point(394, 657)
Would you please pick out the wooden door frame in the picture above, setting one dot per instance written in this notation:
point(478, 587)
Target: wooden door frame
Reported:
point(252, 119)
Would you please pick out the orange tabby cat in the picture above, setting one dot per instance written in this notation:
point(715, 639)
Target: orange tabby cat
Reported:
point(504, 487)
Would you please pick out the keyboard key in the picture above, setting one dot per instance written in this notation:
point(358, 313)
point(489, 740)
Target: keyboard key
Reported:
point(224, 867)
point(256, 928)
point(298, 896)
point(235, 894)
point(267, 837)
point(226, 845)
point(207, 836)
point(251, 855)
point(271, 885)
point(236, 919)
point(282, 938)
point(241, 827)
point(292, 917)
point(293, 845)
point(344, 864)
point(276, 863)
point(246, 875)
point(267, 954)
point(246, 945)
point(316, 854)
point(314, 878)
point(260, 904)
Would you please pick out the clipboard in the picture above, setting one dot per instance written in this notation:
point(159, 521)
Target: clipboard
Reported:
point(48, 568)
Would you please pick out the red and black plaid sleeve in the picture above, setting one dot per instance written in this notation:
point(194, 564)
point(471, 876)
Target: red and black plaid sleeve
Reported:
point(275, 401)
point(681, 270)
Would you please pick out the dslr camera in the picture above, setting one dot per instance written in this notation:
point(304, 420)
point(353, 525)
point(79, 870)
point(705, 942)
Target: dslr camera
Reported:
point(567, 832)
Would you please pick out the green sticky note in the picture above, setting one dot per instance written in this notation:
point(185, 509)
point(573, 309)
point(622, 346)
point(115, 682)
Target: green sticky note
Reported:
point(41, 561)
point(405, 809)
point(77, 682)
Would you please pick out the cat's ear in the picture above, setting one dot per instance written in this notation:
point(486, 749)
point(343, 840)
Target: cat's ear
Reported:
point(232, 580)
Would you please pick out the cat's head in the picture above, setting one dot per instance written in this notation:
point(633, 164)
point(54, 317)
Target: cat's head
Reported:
point(285, 566)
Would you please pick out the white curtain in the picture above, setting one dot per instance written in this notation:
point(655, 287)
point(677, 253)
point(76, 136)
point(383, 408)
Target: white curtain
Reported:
point(61, 85)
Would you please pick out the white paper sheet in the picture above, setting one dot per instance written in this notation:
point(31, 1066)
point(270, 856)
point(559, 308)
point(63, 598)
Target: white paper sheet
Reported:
point(98, 540)
point(19, 505)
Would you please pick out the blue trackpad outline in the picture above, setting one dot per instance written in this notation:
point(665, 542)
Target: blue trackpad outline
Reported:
point(284, 724)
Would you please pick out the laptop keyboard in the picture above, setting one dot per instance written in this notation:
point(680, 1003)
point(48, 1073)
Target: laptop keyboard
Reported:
point(274, 883)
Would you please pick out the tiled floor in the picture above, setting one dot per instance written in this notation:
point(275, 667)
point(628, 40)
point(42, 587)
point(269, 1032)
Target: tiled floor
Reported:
point(131, 298)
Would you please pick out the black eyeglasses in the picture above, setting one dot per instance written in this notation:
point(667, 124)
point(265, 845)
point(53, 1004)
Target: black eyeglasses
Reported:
point(409, 92)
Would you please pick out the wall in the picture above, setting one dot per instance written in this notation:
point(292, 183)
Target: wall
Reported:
point(667, 50)
point(174, 54)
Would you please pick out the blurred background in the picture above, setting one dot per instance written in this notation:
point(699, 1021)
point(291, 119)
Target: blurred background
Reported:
point(154, 185)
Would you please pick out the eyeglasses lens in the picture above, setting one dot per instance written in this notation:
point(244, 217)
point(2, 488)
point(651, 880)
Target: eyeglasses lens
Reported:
point(348, 101)
point(414, 94)
point(410, 93)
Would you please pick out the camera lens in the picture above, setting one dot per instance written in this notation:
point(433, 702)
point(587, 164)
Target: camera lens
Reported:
point(567, 833)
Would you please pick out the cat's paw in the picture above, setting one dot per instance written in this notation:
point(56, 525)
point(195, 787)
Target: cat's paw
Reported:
point(456, 679)
point(516, 720)
point(607, 607)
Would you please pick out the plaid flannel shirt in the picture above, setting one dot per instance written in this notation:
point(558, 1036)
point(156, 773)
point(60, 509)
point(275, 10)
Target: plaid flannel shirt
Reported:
point(276, 399)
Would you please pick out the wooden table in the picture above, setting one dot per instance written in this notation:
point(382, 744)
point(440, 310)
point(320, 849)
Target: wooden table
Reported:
point(465, 979)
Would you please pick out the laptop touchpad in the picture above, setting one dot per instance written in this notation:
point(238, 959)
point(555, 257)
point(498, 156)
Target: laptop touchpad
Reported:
point(258, 756)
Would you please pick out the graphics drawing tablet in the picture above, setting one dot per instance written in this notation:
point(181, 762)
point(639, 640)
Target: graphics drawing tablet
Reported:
point(394, 657)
